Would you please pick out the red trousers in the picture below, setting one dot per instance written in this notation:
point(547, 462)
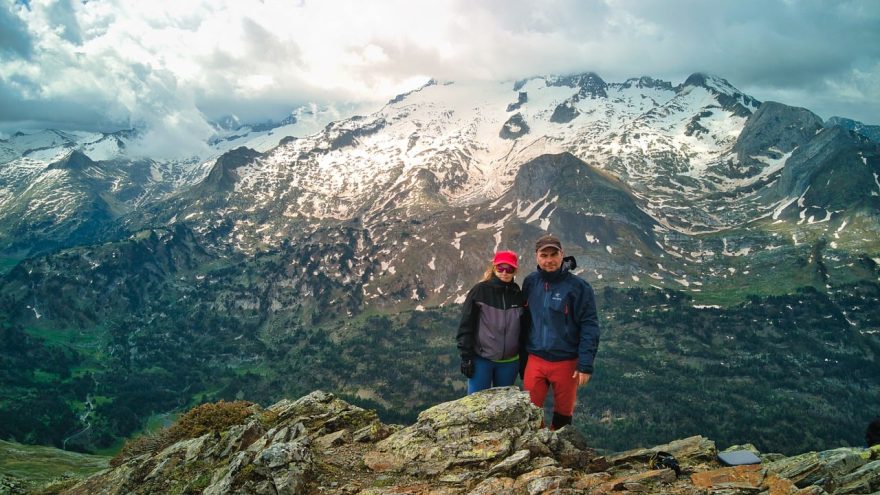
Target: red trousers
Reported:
point(541, 374)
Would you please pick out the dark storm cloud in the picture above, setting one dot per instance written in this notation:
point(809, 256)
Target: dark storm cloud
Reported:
point(765, 43)
point(51, 113)
point(816, 52)
point(14, 38)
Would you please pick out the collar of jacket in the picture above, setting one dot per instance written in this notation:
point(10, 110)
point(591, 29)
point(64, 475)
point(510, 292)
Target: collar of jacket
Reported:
point(500, 283)
point(554, 276)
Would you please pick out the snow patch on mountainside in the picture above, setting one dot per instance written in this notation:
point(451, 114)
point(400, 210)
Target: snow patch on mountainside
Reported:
point(455, 145)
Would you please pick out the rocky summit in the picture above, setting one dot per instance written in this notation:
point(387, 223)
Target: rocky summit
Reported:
point(491, 442)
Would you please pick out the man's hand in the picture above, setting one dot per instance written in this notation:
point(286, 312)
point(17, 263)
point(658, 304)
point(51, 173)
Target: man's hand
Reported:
point(582, 378)
point(467, 368)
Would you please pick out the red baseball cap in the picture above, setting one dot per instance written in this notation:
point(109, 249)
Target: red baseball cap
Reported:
point(505, 258)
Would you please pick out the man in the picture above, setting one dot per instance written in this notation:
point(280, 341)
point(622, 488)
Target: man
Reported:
point(564, 335)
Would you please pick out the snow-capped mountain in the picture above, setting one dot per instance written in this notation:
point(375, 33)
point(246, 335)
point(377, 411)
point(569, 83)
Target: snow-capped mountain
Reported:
point(677, 148)
point(666, 175)
point(51, 180)
point(447, 173)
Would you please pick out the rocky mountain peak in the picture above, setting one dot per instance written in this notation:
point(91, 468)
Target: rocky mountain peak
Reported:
point(399, 98)
point(589, 84)
point(710, 82)
point(647, 82)
point(835, 170)
point(872, 132)
point(728, 96)
point(76, 160)
point(491, 442)
point(775, 129)
point(222, 175)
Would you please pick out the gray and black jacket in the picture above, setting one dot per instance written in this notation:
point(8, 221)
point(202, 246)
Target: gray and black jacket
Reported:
point(493, 321)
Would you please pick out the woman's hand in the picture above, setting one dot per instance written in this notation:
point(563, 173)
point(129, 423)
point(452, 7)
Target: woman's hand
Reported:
point(467, 367)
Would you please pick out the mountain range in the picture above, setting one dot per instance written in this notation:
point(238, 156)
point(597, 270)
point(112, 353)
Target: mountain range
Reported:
point(730, 241)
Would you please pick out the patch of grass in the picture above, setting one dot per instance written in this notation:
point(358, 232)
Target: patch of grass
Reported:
point(207, 395)
point(90, 341)
point(159, 421)
point(111, 450)
point(262, 370)
point(56, 487)
point(41, 464)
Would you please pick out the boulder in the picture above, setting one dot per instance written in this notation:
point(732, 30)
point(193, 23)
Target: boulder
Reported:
point(688, 451)
point(478, 429)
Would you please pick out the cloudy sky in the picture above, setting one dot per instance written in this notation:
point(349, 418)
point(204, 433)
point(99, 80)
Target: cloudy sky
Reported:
point(173, 64)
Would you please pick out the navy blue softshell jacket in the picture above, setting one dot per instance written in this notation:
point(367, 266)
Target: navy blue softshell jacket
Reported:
point(492, 320)
point(564, 322)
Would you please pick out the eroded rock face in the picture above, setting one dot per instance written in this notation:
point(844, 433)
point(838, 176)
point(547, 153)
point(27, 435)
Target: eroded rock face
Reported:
point(838, 471)
point(271, 452)
point(490, 442)
point(479, 428)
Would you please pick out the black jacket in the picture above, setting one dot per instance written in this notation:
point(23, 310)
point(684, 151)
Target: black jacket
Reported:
point(493, 321)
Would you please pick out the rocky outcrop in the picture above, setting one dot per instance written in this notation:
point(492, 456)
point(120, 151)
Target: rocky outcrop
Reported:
point(276, 451)
point(76, 160)
point(522, 98)
point(871, 132)
point(223, 176)
point(776, 128)
point(490, 442)
point(498, 429)
point(647, 82)
point(839, 471)
point(564, 113)
point(836, 170)
point(589, 85)
point(730, 98)
point(515, 127)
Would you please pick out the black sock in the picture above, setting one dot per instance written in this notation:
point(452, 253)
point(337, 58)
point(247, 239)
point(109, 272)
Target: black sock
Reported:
point(560, 420)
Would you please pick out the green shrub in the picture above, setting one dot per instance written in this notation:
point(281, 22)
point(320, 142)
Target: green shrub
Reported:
point(206, 418)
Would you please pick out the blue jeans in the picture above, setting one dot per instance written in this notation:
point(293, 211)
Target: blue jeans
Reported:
point(491, 374)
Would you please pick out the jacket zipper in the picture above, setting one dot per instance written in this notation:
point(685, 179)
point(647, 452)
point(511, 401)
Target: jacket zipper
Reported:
point(504, 337)
point(544, 313)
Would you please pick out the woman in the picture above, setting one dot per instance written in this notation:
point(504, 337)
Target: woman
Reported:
point(492, 321)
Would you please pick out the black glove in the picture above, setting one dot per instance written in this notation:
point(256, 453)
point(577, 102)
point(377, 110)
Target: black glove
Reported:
point(467, 367)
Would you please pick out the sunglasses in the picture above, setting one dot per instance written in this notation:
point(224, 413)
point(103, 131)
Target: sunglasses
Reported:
point(505, 269)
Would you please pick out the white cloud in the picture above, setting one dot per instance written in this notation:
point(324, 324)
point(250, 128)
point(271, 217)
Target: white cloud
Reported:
point(172, 64)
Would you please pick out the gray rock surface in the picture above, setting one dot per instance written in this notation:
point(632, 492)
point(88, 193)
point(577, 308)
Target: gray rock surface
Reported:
point(490, 442)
